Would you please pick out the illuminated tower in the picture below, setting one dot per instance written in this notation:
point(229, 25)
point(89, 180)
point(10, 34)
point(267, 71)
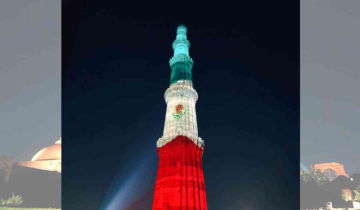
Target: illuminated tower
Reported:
point(180, 178)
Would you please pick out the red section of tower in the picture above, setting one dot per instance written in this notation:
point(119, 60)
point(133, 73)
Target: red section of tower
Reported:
point(180, 178)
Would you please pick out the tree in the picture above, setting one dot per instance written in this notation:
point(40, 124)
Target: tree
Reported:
point(313, 176)
point(357, 194)
point(313, 192)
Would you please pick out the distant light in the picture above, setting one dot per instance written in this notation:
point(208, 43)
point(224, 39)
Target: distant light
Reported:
point(351, 179)
point(303, 167)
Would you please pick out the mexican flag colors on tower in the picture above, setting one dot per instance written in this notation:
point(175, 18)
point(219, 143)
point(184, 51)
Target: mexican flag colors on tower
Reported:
point(180, 178)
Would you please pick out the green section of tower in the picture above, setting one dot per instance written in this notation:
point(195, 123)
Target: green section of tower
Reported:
point(181, 64)
point(181, 71)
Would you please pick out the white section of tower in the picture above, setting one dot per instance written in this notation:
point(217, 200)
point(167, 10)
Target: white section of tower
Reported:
point(180, 93)
point(184, 94)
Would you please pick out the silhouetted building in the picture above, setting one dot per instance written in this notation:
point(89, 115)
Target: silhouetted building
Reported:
point(38, 188)
point(38, 181)
point(331, 170)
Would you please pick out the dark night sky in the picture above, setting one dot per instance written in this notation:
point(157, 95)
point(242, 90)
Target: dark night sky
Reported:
point(246, 72)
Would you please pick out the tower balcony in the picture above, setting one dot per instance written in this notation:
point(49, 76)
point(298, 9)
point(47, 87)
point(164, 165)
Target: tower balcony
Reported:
point(181, 58)
point(179, 92)
point(181, 41)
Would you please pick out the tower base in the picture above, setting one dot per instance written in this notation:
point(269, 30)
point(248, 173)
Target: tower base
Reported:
point(180, 178)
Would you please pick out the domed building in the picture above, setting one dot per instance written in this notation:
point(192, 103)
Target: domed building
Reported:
point(48, 158)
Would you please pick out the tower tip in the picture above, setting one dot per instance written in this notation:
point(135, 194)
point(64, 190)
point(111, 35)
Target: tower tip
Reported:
point(181, 29)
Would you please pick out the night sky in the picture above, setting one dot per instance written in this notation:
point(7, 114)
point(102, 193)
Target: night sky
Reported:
point(115, 73)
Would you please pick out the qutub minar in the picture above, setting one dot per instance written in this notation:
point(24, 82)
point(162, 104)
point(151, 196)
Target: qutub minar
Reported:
point(180, 178)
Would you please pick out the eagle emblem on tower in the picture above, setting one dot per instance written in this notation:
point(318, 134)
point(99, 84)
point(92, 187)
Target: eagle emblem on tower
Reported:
point(179, 111)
